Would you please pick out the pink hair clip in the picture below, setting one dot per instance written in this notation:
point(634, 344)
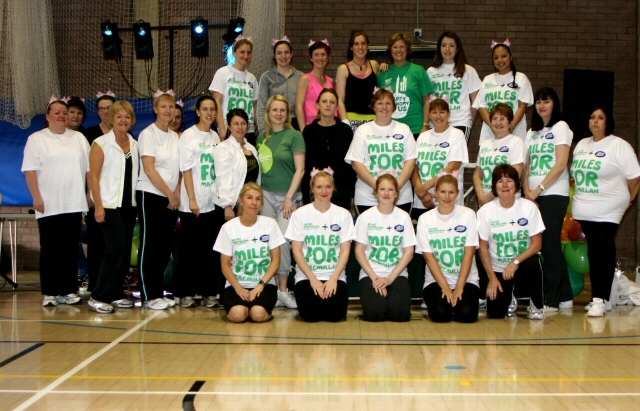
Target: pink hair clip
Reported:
point(285, 38)
point(312, 42)
point(434, 97)
point(453, 174)
point(240, 37)
point(108, 93)
point(159, 92)
point(376, 89)
point(180, 103)
point(506, 42)
point(82, 99)
point(52, 99)
point(315, 171)
point(66, 99)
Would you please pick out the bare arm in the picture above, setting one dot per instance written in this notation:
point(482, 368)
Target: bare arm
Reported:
point(407, 256)
point(484, 115)
point(96, 161)
point(494, 284)
point(331, 285)
point(425, 113)
point(341, 85)
point(474, 111)
point(191, 193)
point(287, 208)
point(482, 197)
point(518, 115)
point(363, 173)
point(220, 115)
point(298, 256)
point(407, 171)
point(227, 271)
point(268, 275)
point(533, 249)
point(32, 184)
point(562, 160)
point(301, 96)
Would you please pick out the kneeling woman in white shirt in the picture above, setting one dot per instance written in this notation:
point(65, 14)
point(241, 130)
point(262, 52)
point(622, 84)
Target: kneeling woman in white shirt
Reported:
point(321, 235)
point(510, 240)
point(249, 247)
point(384, 248)
point(447, 237)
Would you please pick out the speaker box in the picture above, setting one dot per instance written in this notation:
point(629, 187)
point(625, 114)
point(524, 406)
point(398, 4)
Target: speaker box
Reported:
point(582, 89)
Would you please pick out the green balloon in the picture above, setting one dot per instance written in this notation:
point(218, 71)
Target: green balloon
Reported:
point(577, 281)
point(134, 252)
point(136, 231)
point(575, 253)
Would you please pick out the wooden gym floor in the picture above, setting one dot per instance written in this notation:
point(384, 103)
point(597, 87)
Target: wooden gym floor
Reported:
point(71, 358)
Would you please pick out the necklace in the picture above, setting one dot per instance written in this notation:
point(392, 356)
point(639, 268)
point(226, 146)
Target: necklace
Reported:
point(360, 65)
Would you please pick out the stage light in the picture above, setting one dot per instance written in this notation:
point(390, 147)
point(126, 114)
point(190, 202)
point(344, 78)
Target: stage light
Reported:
point(142, 40)
point(111, 41)
point(199, 37)
point(234, 29)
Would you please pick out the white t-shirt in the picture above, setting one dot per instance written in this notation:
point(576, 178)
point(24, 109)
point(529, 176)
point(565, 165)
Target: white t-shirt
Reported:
point(385, 237)
point(494, 90)
point(61, 163)
point(435, 151)
point(445, 83)
point(445, 236)
point(508, 230)
point(249, 248)
point(507, 150)
point(154, 142)
point(196, 154)
point(321, 235)
point(383, 150)
point(540, 146)
point(601, 171)
point(239, 89)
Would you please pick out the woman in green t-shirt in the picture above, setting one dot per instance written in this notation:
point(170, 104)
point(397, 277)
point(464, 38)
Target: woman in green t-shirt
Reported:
point(281, 153)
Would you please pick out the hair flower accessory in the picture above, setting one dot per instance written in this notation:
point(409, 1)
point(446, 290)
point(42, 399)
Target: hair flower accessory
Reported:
point(506, 43)
point(454, 173)
point(241, 37)
point(285, 38)
point(434, 97)
point(315, 171)
point(108, 93)
point(312, 42)
point(376, 89)
point(159, 92)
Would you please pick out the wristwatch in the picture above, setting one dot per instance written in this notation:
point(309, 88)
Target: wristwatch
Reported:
point(541, 187)
point(516, 262)
point(261, 283)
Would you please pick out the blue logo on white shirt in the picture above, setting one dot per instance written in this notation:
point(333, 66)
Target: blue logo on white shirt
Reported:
point(444, 144)
point(398, 136)
point(600, 154)
point(549, 136)
point(504, 149)
point(399, 228)
point(264, 238)
point(523, 221)
point(460, 229)
point(335, 227)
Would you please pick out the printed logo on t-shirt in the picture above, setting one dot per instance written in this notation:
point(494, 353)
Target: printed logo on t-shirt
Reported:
point(398, 136)
point(504, 95)
point(385, 157)
point(584, 170)
point(335, 227)
point(523, 221)
point(460, 229)
point(264, 238)
point(600, 154)
point(399, 228)
point(430, 162)
point(207, 167)
point(252, 263)
point(265, 157)
point(504, 149)
point(444, 144)
point(448, 249)
point(449, 88)
point(549, 136)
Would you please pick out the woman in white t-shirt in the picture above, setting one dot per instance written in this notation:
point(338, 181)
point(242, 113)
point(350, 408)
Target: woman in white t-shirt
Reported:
point(321, 235)
point(196, 211)
point(55, 164)
point(546, 181)
point(158, 198)
point(384, 247)
point(447, 237)
point(235, 87)
point(506, 86)
point(249, 247)
point(607, 175)
point(440, 149)
point(503, 148)
point(510, 241)
point(452, 77)
point(382, 146)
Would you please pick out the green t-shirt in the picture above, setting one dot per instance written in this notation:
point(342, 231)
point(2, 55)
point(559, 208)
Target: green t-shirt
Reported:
point(276, 158)
point(410, 84)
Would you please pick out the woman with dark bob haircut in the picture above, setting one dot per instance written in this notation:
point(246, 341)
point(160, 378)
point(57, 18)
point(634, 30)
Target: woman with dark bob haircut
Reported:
point(510, 241)
point(607, 177)
point(546, 181)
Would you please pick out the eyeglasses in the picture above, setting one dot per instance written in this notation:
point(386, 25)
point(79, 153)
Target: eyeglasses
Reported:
point(104, 108)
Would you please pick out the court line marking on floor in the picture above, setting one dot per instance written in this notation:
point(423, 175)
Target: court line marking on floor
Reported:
point(422, 341)
point(214, 378)
point(20, 354)
point(49, 388)
point(343, 394)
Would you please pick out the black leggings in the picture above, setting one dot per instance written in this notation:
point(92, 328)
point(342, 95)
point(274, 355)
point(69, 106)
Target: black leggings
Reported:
point(527, 282)
point(601, 254)
point(313, 308)
point(396, 306)
point(441, 311)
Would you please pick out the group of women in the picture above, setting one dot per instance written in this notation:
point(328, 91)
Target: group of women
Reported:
point(239, 194)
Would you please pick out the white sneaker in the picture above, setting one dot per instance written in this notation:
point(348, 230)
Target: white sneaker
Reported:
point(187, 302)
point(513, 306)
point(69, 299)
point(156, 304)
point(100, 307)
point(535, 313)
point(482, 304)
point(122, 303)
point(566, 304)
point(607, 305)
point(287, 298)
point(49, 301)
point(211, 302)
point(550, 309)
point(171, 302)
point(598, 308)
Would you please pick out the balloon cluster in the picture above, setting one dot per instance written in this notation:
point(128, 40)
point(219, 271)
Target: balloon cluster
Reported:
point(574, 247)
